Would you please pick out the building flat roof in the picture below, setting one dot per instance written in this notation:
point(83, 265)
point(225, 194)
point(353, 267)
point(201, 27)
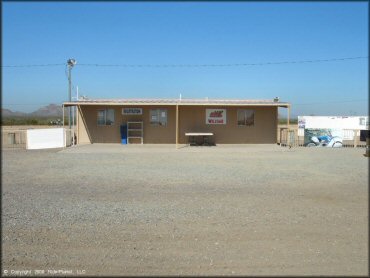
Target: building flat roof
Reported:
point(180, 102)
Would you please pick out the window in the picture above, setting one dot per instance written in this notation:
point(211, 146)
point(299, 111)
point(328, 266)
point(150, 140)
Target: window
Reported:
point(158, 117)
point(106, 117)
point(246, 117)
point(364, 121)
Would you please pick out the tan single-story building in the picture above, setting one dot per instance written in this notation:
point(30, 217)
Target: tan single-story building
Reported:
point(170, 121)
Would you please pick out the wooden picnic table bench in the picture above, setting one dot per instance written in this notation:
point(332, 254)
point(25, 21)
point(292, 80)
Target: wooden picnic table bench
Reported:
point(192, 136)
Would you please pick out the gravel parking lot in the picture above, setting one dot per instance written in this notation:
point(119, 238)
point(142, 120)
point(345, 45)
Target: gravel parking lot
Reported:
point(155, 210)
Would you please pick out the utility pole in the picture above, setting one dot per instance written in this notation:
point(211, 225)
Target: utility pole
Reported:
point(70, 63)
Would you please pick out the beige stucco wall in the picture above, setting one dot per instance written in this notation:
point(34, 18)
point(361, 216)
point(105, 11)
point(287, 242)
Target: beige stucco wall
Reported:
point(191, 119)
point(111, 134)
point(82, 130)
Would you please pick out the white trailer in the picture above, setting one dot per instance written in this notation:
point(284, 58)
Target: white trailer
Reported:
point(345, 127)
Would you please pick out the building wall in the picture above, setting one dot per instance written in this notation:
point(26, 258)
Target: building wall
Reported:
point(191, 119)
point(111, 134)
point(82, 130)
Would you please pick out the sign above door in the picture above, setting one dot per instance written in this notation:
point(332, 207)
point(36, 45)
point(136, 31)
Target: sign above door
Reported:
point(132, 111)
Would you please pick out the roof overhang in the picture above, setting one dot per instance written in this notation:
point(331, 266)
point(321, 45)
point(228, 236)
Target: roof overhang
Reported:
point(134, 102)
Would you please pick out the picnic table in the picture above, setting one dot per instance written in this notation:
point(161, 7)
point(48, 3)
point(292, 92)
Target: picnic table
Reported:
point(192, 136)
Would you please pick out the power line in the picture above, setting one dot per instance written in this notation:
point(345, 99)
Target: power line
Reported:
point(325, 102)
point(31, 66)
point(221, 65)
point(193, 65)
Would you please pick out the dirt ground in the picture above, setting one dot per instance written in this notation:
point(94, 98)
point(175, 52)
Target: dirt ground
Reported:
point(154, 210)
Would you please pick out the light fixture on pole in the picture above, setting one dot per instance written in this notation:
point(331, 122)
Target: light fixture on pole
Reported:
point(70, 63)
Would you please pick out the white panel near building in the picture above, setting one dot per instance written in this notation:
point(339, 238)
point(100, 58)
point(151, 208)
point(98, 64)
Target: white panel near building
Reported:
point(341, 122)
point(46, 138)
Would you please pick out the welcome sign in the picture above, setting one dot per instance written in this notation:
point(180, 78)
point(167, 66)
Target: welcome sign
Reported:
point(215, 116)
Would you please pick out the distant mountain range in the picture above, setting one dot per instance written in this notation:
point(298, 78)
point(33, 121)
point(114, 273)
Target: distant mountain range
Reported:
point(51, 110)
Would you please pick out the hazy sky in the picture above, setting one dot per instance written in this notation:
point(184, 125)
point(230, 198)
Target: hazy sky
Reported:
point(189, 33)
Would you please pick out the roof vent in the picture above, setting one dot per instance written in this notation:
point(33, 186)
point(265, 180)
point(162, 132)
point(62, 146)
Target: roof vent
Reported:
point(276, 99)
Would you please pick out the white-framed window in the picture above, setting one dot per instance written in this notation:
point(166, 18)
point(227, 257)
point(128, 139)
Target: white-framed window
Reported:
point(105, 116)
point(158, 117)
point(364, 121)
point(246, 117)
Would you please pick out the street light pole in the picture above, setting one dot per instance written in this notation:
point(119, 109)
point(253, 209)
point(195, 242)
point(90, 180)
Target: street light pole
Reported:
point(70, 63)
point(69, 94)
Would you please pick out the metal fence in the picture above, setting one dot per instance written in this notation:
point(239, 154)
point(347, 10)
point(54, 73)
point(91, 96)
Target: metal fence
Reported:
point(295, 138)
point(17, 139)
point(70, 137)
point(14, 139)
